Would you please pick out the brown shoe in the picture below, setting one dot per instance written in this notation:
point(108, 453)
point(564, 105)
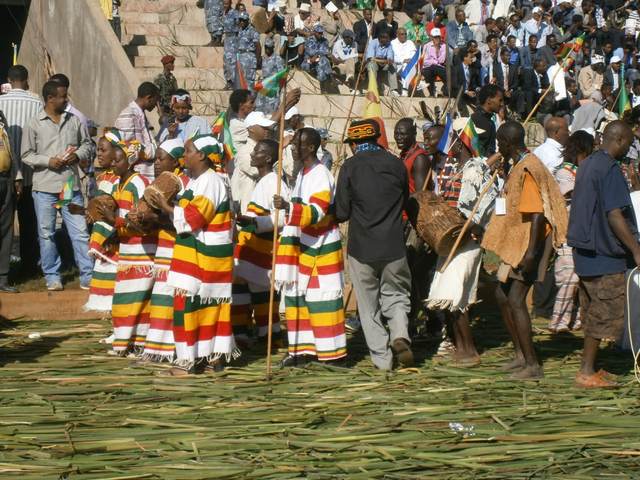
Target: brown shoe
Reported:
point(596, 380)
point(403, 353)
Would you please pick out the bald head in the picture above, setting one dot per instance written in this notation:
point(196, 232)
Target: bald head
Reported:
point(617, 138)
point(557, 129)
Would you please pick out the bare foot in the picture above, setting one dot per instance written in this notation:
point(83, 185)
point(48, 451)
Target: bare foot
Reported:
point(466, 360)
point(516, 363)
point(531, 372)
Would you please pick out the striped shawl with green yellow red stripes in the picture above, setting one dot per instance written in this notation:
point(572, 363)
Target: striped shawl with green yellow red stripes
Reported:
point(310, 243)
point(202, 262)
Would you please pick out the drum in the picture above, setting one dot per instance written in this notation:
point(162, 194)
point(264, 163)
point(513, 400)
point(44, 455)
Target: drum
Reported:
point(106, 201)
point(168, 184)
point(437, 223)
point(142, 207)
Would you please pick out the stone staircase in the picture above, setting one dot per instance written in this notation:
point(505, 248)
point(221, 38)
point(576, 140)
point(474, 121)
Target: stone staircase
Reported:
point(153, 28)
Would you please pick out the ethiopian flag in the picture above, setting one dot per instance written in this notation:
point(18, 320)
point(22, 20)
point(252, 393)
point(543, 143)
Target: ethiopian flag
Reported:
point(270, 86)
point(624, 104)
point(221, 131)
point(66, 195)
point(470, 138)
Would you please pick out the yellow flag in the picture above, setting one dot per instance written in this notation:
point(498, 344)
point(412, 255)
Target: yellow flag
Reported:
point(372, 108)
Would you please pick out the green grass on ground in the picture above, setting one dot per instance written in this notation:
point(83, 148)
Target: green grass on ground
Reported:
point(70, 411)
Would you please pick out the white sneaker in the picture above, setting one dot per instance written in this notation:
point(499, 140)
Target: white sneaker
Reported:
point(405, 92)
point(394, 93)
point(55, 287)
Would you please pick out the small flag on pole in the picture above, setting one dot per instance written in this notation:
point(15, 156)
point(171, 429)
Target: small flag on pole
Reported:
point(624, 104)
point(222, 132)
point(470, 138)
point(446, 140)
point(411, 71)
point(270, 86)
point(66, 195)
point(15, 53)
point(241, 81)
point(373, 110)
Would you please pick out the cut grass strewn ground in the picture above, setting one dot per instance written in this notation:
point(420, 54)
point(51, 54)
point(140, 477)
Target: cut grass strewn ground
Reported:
point(68, 410)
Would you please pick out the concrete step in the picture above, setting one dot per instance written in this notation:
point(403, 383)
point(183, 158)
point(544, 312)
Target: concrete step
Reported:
point(154, 6)
point(193, 56)
point(161, 34)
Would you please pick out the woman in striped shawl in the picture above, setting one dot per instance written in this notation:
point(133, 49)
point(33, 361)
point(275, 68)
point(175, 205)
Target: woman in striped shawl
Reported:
point(134, 278)
point(254, 249)
point(309, 265)
point(103, 244)
point(159, 344)
point(202, 263)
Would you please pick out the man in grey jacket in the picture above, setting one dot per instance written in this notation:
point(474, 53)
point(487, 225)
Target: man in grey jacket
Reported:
point(54, 143)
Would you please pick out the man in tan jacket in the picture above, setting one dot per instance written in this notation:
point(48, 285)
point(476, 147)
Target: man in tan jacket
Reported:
point(591, 77)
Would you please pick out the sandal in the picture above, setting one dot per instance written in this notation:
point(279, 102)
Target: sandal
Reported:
point(595, 380)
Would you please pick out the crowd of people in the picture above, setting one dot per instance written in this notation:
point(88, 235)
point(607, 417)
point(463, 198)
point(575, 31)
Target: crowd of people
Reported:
point(187, 278)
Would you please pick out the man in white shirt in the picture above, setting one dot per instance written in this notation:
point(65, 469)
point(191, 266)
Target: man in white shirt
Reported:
point(344, 56)
point(550, 152)
point(403, 50)
point(536, 26)
point(245, 176)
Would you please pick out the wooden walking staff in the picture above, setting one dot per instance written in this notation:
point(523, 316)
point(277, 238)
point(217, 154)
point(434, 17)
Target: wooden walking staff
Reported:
point(466, 225)
point(272, 289)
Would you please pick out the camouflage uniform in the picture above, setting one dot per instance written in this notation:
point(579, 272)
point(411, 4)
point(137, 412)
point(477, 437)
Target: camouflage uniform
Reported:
point(167, 84)
point(313, 47)
point(270, 65)
point(214, 12)
point(230, 27)
point(248, 41)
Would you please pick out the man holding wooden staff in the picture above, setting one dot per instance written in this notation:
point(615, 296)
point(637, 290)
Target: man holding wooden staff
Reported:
point(454, 286)
point(534, 214)
point(372, 192)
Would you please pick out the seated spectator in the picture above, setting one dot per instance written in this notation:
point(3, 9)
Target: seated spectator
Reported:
point(514, 53)
point(533, 82)
point(303, 21)
point(332, 24)
point(483, 31)
point(477, 12)
point(363, 4)
point(548, 50)
point(438, 16)
point(292, 49)
point(435, 56)
point(536, 26)
point(635, 94)
point(516, 29)
point(415, 29)
point(344, 57)
point(316, 55)
point(612, 73)
point(181, 124)
point(403, 52)
point(464, 77)
point(362, 28)
point(488, 56)
point(529, 53)
point(505, 75)
point(380, 60)
point(387, 23)
point(591, 77)
point(458, 32)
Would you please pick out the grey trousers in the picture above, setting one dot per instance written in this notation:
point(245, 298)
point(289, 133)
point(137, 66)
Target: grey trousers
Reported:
point(383, 291)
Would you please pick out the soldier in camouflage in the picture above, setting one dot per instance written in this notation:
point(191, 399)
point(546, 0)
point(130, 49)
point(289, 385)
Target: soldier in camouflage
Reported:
point(213, 11)
point(248, 49)
point(316, 51)
point(271, 63)
point(167, 84)
point(230, 28)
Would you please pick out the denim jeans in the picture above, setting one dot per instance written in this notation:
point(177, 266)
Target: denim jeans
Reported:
point(76, 225)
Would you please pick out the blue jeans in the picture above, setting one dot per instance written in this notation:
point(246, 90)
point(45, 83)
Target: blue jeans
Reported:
point(76, 225)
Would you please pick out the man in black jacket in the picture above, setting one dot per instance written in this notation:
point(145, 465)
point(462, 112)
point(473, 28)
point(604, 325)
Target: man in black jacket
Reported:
point(362, 28)
point(371, 193)
point(506, 75)
point(533, 81)
point(464, 76)
point(387, 23)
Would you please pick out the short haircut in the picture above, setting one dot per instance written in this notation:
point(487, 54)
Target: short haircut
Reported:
point(384, 31)
point(539, 61)
point(312, 136)
point(491, 36)
point(512, 131)
point(487, 92)
point(510, 37)
point(409, 122)
point(533, 35)
point(237, 98)
point(50, 89)
point(18, 73)
point(387, 10)
point(148, 89)
point(504, 50)
point(181, 91)
point(60, 79)
point(273, 148)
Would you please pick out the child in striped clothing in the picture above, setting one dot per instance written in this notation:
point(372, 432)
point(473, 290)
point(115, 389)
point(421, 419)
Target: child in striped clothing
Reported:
point(202, 263)
point(134, 278)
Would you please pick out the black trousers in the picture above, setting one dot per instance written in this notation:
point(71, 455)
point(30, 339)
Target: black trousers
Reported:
point(7, 204)
point(29, 248)
point(432, 71)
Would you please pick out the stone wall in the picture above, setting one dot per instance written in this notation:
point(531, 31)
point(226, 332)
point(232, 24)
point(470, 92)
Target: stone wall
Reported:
point(73, 37)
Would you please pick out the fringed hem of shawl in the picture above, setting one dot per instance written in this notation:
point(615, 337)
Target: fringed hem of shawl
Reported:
point(178, 292)
point(143, 269)
point(158, 358)
point(190, 363)
point(447, 304)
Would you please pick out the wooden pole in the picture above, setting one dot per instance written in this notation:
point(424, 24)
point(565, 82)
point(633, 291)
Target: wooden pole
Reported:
point(272, 290)
point(535, 107)
point(468, 222)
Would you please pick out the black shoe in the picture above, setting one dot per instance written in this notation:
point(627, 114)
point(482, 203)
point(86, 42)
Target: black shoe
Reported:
point(295, 361)
point(7, 289)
